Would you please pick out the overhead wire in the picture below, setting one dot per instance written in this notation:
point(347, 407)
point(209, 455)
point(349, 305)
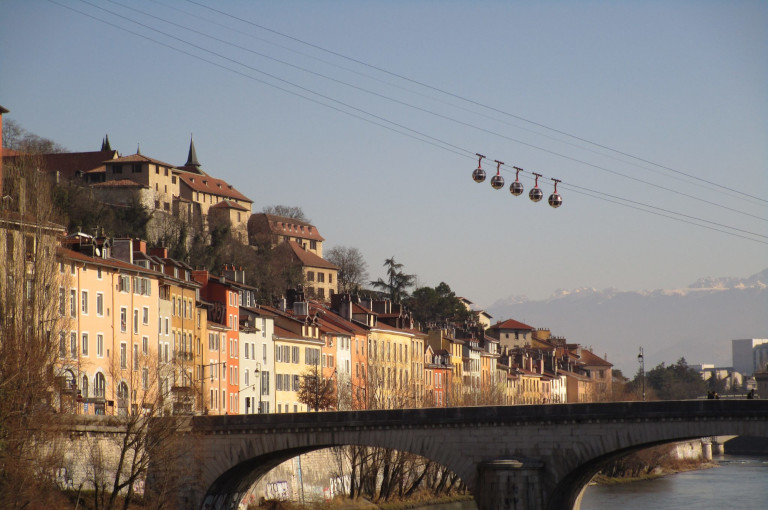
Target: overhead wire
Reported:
point(474, 102)
point(420, 136)
point(397, 101)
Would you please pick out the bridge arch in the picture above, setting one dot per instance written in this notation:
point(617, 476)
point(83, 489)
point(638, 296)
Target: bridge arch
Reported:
point(545, 454)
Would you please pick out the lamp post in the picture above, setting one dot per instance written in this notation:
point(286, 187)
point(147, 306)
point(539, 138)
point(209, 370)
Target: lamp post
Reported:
point(202, 381)
point(641, 360)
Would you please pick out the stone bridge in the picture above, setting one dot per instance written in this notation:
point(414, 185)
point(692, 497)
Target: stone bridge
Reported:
point(537, 457)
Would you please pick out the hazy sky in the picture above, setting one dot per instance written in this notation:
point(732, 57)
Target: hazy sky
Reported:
point(681, 85)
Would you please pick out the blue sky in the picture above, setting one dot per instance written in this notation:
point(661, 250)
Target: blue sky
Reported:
point(679, 84)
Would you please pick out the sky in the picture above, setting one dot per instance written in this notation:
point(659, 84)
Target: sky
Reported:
point(368, 115)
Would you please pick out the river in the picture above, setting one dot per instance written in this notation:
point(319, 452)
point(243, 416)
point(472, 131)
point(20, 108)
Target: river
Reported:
point(738, 482)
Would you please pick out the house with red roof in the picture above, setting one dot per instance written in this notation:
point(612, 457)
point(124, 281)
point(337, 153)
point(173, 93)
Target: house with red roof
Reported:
point(511, 333)
point(320, 276)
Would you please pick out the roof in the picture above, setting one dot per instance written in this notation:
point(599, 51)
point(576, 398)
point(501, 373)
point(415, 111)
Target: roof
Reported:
point(307, 258)
point(591, 359)
point(139, 158)
point(109, 262)
point(512, 324)
point(228, 204)
point(289, 227)
point(204, 183)
point(120, 183)
point(68, 164)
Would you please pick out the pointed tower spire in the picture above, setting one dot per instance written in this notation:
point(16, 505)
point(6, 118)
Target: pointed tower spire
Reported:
point(192, 157)
point(105, 144)
point(138, 148)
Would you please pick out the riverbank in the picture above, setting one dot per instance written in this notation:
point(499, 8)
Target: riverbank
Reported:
point(341, 503)
point(666, 469)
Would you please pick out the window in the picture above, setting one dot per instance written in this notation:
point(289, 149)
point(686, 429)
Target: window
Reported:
point(145, 378)
point(72, 303)
point(135, 356)
point(320, 277)
point(145, 315)
point(84, 343)
point(117, 169)
point(100, 304)
point(136, 168)
point(145, 345)
point(246, 351)
point(123, 356)
point(294, 354)
point(124, 284)
point(166, 326)
point(264, 383)
point(62, 301)
point(73, 344)
point(135, 321)
point(62, 345)
point(246, 380)
point(101, 384)
point(98, 273)
point(330, 277)
point(310, 276)
point(84, 302)
point(313, 245)
point(99, 345)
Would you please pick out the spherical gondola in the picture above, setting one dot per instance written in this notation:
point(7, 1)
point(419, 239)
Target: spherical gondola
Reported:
point(555, 200)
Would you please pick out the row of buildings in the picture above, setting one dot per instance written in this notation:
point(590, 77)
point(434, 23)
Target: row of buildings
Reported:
point(136, 331)
point(140, 330)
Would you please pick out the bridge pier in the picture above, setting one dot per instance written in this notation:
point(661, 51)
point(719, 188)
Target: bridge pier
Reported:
point(510, 484)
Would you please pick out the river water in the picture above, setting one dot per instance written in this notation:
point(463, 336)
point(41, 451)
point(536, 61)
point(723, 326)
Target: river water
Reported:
point(737, 483)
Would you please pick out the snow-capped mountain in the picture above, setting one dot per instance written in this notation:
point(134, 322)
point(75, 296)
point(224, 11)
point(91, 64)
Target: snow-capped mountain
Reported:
point(697, 322)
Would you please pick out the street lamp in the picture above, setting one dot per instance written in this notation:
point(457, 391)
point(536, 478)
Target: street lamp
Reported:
point(202, 381)
point(641, 360)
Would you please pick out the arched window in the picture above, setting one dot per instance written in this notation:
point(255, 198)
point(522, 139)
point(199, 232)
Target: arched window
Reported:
point(101, 384)
point(84, 387)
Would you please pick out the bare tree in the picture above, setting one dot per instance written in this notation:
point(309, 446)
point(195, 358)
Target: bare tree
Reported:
point(353, 270)
point(287, 211)
point(29, 318)
point(317, 392)
point(17, 138)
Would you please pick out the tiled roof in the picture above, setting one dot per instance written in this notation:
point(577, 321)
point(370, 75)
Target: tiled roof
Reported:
point(228, 204)
point(139, 158)
point(69, 163)
point(110, 262)
point(206, 184)
point(591, 359)
point(511, 324)
point(120, 183)
point(308, 258)
point(291, 227)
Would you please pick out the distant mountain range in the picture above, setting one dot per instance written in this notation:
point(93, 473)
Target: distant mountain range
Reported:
point(697, 322)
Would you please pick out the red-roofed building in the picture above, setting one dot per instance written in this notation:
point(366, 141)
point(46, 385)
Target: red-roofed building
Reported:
point(276, 229)
point(321, 276)
point(511, 333)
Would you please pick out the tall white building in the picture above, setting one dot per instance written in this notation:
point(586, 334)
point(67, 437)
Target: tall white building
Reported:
point(745, 359)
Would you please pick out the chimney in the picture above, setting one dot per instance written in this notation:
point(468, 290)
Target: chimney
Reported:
point(122, 249)
point(140, 246)
point(159, 252)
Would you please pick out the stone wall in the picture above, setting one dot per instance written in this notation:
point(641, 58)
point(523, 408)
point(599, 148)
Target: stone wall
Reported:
point(315, 476)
